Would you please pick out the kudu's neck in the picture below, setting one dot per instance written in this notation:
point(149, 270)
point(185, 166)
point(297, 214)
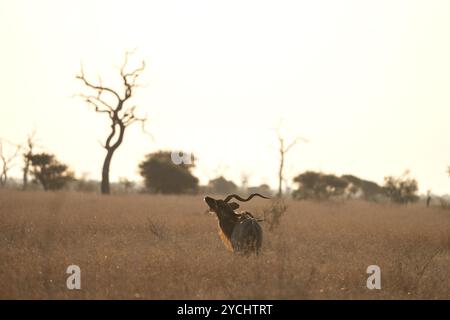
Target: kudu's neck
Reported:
point(227, 223)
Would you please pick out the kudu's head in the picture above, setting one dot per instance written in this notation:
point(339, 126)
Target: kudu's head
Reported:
point(224, 209)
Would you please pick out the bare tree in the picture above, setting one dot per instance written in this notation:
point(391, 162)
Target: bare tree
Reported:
point(245, 176)
point(283, 149)
point(7, 160)
point(27, 154)
point(428, 197)
point(113, 103)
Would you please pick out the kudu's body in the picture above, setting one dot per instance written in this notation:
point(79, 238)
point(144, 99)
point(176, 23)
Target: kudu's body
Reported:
point(240, 232)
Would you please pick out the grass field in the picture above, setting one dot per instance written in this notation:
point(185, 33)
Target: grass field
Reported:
point(166, 247)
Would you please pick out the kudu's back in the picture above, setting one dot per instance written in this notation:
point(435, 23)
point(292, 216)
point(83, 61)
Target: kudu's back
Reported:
point(247, 236)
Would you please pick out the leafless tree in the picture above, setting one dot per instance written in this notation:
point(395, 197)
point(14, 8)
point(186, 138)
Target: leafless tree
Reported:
point(114, 104)
point(428, 197)
point(283, 149)
point(27, 153)
point(7, 160)
point(245, 176)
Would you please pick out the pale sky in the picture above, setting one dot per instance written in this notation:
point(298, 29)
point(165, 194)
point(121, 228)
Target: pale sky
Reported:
point(366, 82)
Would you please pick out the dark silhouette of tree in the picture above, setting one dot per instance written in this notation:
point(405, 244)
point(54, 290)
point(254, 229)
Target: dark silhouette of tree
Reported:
point(162, 175)
point(309, 185)
point(26, 155)
point(369, 189)
point(7, 160)
point(223, 186)
point(401, 190)
point(245, 176)
point(316, 185)
point(428, 197)
point(114, 104)
point(49, 172)
point(334, 186)
point(319, 186)
point(261, 189)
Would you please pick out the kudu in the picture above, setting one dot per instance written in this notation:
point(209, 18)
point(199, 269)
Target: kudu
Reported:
point(240, 232)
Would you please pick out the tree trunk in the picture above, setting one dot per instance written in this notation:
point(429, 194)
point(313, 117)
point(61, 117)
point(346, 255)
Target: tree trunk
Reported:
point(280, 175)
point(25, 174)
point(105, 172)
point(25, 179)
point(110, 149)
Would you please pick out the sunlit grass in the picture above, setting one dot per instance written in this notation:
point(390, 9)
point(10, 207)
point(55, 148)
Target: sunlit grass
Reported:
point(166, 247)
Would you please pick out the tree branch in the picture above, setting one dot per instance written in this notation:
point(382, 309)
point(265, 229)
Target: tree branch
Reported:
point(99, 88)
point(296, 140)
point(134, 74)
point(99, 105)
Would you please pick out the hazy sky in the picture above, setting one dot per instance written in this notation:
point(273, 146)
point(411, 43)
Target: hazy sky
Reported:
point(367, 82)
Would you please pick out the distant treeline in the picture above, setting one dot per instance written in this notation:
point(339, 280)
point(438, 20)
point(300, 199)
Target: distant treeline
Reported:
point(162, 175)
point(321, 186)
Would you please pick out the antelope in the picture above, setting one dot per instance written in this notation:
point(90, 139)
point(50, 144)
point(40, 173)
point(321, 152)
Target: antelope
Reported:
point(240, 232)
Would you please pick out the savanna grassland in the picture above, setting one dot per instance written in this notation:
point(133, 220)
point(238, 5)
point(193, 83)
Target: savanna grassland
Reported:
point(167, 247)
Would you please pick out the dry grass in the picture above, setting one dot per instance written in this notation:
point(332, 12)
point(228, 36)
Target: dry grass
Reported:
point(165, 247)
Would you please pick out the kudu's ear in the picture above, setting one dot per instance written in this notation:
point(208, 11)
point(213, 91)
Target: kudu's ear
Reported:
point(234, 205)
